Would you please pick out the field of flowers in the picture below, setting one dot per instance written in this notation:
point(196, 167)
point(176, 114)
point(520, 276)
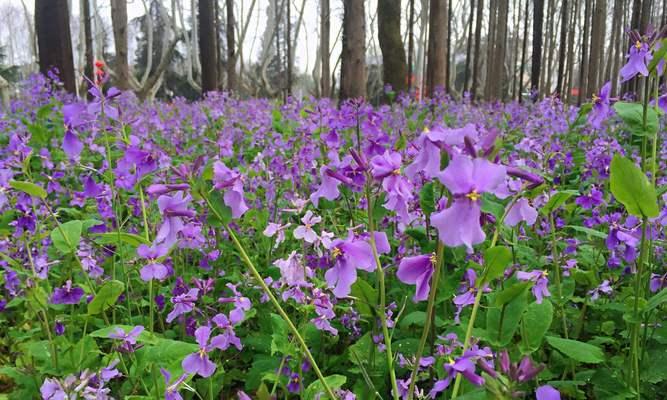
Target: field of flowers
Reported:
point(252, 249)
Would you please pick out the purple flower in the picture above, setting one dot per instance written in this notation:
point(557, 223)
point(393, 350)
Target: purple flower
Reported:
point(467, 179)
point(294, 383)
point(154, 269)
point(59, 328)
point(241, 304)
point(277, 230)
point(540, 280)
point(171, 391)
point(199, 363)
point(604, 287)
point(173, 209)
point(638, 60)
point(292, 270)
point(467, 293)
point(67, 294)
point(129, 340)
point(658, 282)
point(306, 231)
point(230, 180)
point(348, 255)
point(601, 108)
point(183, 303)
point(228, 336)
point(462, 365)
point(417, 271)
point(328, 188)
point(387, 167)
point(51, 389)
point(160, 189)
point(547, 392)
point(521, 211)
point(72, 146)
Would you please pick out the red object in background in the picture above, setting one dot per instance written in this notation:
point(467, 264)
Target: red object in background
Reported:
point(574, 91)
point(99, 72)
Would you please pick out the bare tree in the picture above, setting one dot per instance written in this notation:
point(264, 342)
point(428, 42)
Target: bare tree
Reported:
point(54, 40)
point(562, 50)
point(394, 67)
point(478, 39)
point(596, 47)
point(466, 72)
point(538, 13)
point(524, 45)
point(119, 25)
point(231, 47)
point(353, 66)
point(207, 46)
point(437, 46)
point(325, 26)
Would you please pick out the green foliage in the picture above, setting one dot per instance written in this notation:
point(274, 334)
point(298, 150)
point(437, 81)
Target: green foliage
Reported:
point(632, 188)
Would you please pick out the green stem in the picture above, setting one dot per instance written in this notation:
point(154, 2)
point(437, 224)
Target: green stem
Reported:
point(383, 299)
point(556, 261)
point(430, 308)
point(272, 298)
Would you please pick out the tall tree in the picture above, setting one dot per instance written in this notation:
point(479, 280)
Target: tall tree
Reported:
point(538, 14)
point(207, 46)
point(466, 72)
point(394, 67)
point(325, 26)
point(231, 47)
point(353, 58)
point(88, 40)
point(562, 50)
point(436, 69)
point(524, 45)
point(597, 45)
point(478, 41)
point(490, 48)
point(583, 69)
point(411, 42)
point(500, 49)
point(288, 42)
point(119, 26)
point(54, 40)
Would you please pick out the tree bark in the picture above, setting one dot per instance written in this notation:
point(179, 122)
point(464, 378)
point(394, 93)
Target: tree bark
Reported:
point(88, 41)
point(207, 46)
point(490, 48)
point(466, 73)
point(353, 63)
point(448, 63)
point(574, 12)
point(394, 67)
point(597, 43)
point(411, 43)
point(119, 25)
point(500, 48)
point(562, 50)
point(325, 26)
point(437, 46)
point(583, 71)
point(54, 40)
point(288, 43)
point(524, 46)
point(538, 13)
point(478, 39)
point(231, 48)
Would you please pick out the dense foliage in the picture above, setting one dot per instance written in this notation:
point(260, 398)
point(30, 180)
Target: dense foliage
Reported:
point(249, 248)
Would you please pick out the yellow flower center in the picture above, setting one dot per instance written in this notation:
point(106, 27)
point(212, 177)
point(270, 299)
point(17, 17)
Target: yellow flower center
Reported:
point(426, 130)
point(335, 253)
point(433, 258)
point(474, 196)
point(451, 361)
point(397, 171)
point(596, 98)
point(202, 353)
point(638, 45)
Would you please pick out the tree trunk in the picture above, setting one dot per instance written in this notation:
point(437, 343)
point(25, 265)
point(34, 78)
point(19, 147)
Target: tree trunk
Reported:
point(466, 73)
point(524, 46)
point(288, 43)
point(597, 41)
point(389, 35)
point(538, 13)
point(490, 48)
point(515, 49)
point(88, 41)
point(207, 46)
point(448, 63)
point(231, 47)
point(478, 39)
point(119, 25)
point(325, 26)
point(437, 46)
point(353, 63)
point(562, 50)
point(411, 43)
point(54, 40)
point(498, 78)
point(574, 12)
point(583, 68)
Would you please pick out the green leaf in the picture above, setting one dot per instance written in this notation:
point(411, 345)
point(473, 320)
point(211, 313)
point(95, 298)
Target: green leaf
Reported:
point(631, 187)
point(656, 300)
point(633, 116)
point(557, 200)
point(427, 199)
point(218, 205)
point(658, 55)
point(106, 297)
point(116, 238)
point(67, 236)
point(588, 231)
point(316, 388)
point(576, 350)
point(492, 207)
point(367, 297)
point(29, 188)
point(496, 259)
point(418, 318)
point(502, 322)
point(279, 337)
point(510, 293)
point(536, 321)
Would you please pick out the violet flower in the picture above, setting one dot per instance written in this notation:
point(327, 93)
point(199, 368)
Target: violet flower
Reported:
point(638, 60)
point(387, 167)
point(129, 339)
point(658, 282)
point(183, 303)
point(462, 365)
point(601, 107)
point(171, 390)
point(67, 294)
point(521, 211)
point(540, 280)
point(199, 363)
point(348, 255)
point(230, 180)
point(328, 189)
point(417, 271)
point(547, 392)
point(277, 230)
point(306, 231)
point(604, 287)
point(154, 269)
point(228, 336)
point(467, 179)
point(173, 209)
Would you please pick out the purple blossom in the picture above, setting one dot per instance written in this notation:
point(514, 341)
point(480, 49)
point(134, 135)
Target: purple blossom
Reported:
point(417, 271)
point(638, 60)
point(171, 390)
point(540, 283)
point(658, 282)
point(228, 336)
point(601, 107)
point(128, 340)
point(277, 230)
point(462, 365)
point(467, 179)
point(387, 167)
point(183, 303)
point(230, 180)
point(199, 363)
point(521, 211)
point(174, 209)
point(154, 269)
point(547, 392)
point(348, 255)
point(306, 231)
point(67, 294)
point(603, 287)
